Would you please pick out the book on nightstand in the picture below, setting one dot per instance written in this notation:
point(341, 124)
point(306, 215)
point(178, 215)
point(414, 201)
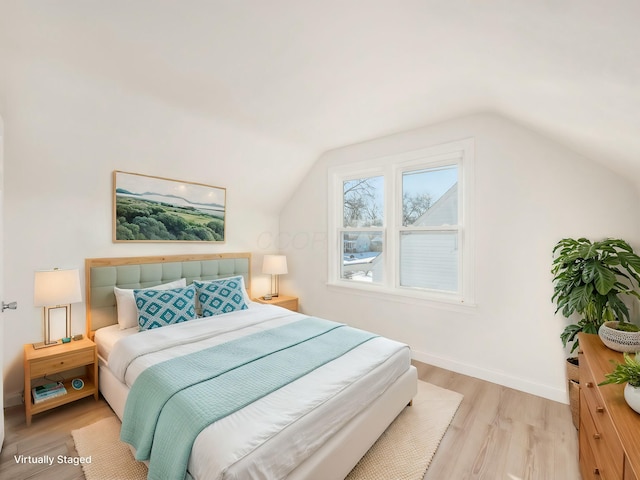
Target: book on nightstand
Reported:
point(50, 390)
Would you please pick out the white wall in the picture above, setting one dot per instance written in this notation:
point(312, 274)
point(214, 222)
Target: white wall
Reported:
point(65, 132)
point(530, 192)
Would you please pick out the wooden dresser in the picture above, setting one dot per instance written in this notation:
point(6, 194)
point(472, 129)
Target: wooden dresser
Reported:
point(609, 434)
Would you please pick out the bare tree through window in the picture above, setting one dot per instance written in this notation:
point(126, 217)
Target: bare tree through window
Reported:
point(363, 202)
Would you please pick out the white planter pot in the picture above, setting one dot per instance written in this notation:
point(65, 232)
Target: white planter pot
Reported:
point(632, 397)
point(618, 340)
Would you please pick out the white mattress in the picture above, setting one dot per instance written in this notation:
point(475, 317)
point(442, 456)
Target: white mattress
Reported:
point(107, 337)
point(270, 437)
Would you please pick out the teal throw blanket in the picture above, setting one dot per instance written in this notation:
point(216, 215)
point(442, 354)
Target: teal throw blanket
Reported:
point(171, 402)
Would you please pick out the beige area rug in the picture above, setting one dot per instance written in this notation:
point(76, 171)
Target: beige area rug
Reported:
point(111, 459)
point(403, 452)
point(405, 449)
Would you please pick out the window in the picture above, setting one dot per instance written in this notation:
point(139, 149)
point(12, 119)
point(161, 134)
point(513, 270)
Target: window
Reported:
point(402, 224)
point(428, 236)
point(362, 232)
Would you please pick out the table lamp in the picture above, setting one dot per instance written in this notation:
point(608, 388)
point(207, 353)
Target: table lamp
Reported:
point(274, 265)
point(55, 290)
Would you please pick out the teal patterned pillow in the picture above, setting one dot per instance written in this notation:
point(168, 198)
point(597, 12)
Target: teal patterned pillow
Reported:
point(159, 308)
point(221, 296)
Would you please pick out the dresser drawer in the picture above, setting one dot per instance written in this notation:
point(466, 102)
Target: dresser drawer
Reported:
point(605, 414)
point(588, 466)
point(629, 474)
point(589, 387)
point(597, 431)
point(591, 400)
point(59, 363)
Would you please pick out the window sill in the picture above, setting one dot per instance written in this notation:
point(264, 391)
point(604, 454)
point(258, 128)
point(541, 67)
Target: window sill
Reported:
point(408, 296)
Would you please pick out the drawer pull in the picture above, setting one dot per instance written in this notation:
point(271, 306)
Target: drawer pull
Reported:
point(600, 409)
point(597, 436)
point(589, 384)
point(596, 471)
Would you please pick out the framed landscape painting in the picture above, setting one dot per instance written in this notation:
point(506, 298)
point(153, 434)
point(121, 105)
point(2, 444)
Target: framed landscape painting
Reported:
point(155, 209)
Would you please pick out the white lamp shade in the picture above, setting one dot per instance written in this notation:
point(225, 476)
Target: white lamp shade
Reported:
point(274, 264)
point(56, 287)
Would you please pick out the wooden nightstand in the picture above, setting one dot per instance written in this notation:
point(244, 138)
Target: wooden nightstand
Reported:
point(51, 362)
point(283, 301)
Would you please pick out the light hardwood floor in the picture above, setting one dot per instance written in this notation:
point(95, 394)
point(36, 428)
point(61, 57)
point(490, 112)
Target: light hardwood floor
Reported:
point(498, 433)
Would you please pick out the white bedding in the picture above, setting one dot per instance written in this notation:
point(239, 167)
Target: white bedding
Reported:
point(107, 337)
point(270, 437)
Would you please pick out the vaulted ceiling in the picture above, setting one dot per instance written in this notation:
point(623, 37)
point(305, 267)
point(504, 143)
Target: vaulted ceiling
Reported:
point(327, 73)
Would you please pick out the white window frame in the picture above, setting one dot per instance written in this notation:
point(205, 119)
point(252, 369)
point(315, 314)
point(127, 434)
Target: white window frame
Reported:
point(391, 168)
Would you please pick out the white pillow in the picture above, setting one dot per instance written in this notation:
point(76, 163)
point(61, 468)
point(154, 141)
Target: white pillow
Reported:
point(127, 310)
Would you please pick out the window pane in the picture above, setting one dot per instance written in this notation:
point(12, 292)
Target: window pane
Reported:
point(430, 197)
point(362, 256)
point(363, 202)
point(429, 260)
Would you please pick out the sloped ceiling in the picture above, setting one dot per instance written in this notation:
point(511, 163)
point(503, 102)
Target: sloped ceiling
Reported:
point(327, 73)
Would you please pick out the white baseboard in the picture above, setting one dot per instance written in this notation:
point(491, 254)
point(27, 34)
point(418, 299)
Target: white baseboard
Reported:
point(13, 399)
point(545, 391)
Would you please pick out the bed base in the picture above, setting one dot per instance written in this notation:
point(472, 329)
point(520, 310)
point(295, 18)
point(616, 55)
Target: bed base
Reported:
point(337, 457)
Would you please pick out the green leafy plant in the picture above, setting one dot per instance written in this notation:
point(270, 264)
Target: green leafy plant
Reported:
point(589, 279)
point(627, 372)
point(627, 327)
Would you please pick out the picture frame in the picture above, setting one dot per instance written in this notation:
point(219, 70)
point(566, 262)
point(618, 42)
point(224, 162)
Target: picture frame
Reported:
point(155, 209)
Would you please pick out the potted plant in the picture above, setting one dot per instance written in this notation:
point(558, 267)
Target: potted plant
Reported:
point(589, 279)
point(629, 373)
point(620, 336)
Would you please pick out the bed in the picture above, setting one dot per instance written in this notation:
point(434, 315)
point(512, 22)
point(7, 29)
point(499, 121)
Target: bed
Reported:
point(315, 424)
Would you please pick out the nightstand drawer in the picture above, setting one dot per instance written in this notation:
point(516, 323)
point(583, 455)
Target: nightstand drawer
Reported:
point(58, 363)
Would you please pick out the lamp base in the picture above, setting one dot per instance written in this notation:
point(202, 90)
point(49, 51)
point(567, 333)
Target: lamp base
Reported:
point(275, 286)
point(39, 345)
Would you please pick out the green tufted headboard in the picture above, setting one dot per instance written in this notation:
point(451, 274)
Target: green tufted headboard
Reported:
point(102, 274)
